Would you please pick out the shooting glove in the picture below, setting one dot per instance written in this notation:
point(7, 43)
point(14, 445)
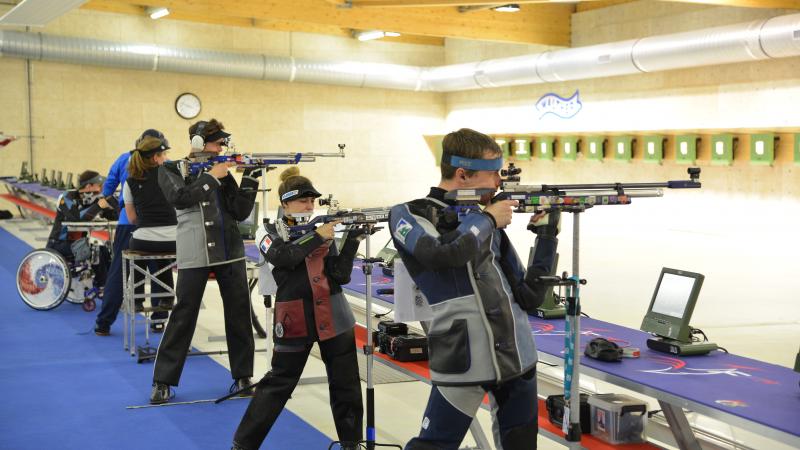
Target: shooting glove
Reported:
point(360, 233)
point(113, 202)
point(253, 172)
point(548, 226)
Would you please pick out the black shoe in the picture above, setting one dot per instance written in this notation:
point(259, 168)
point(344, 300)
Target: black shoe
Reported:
point(157, 327)
point(242, 383)
point(102, 331)
point(160, 394)
point(348, 446)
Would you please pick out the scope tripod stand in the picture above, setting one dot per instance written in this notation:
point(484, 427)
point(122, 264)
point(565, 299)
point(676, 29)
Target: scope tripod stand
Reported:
point(369, 349)
point(572, 424)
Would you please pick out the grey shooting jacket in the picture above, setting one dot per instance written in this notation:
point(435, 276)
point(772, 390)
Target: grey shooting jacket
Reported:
point(208, 212)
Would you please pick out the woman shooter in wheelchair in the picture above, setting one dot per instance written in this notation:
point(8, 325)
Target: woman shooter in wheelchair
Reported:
point(310, 307)
point(153, 216)
point(83, 205)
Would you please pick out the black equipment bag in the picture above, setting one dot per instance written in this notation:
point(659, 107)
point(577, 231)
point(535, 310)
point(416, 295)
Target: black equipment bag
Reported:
point(386, 329)
point(391, 328)
point(555, 412)
point(407, 347)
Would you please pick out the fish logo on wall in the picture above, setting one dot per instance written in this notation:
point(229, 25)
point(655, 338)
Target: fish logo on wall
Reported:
point(565, 108)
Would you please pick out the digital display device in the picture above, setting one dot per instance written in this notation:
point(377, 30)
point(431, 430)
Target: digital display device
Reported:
point(672, 304)
point(672, 295)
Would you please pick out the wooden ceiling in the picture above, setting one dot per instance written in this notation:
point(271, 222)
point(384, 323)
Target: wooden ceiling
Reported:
point(418, 21)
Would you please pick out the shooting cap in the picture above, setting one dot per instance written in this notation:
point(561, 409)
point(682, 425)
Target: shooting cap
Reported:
point(90, 177)
point(294, 186)
point(150, 145)
point(149, 132)
point(217, 135)
point(300, 191)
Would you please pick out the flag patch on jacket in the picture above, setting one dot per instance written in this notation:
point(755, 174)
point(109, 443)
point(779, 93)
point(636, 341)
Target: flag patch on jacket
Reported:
point(265, 244)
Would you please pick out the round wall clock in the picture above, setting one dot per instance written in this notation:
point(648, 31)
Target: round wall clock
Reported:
point(187, 105)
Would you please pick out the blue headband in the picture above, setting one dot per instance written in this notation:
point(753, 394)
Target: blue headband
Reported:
point(492, 165)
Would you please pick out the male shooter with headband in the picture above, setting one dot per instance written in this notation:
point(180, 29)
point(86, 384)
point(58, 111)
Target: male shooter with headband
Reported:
point(82, 205)
point(209, 205)
point(479, 339)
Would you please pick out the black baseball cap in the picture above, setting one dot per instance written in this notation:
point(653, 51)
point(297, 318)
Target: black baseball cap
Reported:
point(152, 132)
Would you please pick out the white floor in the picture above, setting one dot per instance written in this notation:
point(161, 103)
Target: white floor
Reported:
point(399, 406)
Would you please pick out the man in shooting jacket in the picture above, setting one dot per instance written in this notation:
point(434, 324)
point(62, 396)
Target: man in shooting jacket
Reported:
point(209, 205)
point(479, 339)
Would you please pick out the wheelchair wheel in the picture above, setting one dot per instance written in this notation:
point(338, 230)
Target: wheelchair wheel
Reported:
point(43, 279)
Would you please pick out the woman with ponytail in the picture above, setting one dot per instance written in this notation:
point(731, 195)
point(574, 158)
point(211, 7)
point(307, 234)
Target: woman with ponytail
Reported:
point(155, 219)
point(309, 307)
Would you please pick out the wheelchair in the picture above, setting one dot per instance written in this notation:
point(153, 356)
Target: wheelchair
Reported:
point(45, 278)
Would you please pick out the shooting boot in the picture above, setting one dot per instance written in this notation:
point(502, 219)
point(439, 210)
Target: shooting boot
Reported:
point(242, 383)
point(160, 394)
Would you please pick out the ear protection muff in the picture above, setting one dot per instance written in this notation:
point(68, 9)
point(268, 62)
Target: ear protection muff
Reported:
point(197, 139)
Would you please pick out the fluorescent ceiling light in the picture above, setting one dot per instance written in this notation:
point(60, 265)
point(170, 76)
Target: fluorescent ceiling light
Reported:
point(157, 12)
point(368, 35)
point(511, 7)
point(392, 34)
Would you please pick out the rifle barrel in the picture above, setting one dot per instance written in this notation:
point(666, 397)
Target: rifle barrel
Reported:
point(603, 186)
point(303, 155)
point(629, 193)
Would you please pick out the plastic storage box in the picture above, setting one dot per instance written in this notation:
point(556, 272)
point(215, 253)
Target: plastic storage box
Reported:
point(617, 418)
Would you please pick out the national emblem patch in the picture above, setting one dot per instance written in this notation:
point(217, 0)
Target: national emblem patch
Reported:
point(401, 230)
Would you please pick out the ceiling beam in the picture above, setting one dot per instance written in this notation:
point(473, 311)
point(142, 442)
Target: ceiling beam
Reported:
point(534, 24)
point(192, 15)
point(767, 4)
point(589, 6)
point(438, 3)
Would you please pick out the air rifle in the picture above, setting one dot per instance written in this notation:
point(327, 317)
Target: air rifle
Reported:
point(563, 197)
point(351, 218)
point(254, 160)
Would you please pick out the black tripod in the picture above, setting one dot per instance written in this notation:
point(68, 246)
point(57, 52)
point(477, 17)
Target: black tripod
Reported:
point(369, 349)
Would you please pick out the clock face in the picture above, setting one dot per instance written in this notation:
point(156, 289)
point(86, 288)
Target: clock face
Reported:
point(187, 106)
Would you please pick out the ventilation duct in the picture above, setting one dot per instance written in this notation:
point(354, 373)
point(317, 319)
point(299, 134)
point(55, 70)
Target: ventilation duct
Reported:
point(778, 37)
